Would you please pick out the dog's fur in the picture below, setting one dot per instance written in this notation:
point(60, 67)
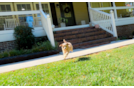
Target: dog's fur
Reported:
point(66, 48)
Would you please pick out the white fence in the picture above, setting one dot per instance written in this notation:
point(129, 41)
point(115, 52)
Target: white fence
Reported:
point(104, 20)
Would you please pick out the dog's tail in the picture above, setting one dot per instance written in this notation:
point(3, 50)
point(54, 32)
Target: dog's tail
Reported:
point(64, 41)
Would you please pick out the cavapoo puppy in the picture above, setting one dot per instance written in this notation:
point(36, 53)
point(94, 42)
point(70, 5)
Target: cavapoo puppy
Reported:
point(66, 48)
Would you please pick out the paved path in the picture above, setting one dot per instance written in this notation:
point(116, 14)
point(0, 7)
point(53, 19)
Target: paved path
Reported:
point(58, 57)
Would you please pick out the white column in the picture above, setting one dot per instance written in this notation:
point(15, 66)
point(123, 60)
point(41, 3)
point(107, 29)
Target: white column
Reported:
point(40, 6)
point(115, 11)
point(89, 4)
point(90, 15)
point(113, 24)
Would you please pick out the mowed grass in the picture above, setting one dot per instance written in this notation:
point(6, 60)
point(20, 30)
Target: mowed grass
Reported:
point(108, 68)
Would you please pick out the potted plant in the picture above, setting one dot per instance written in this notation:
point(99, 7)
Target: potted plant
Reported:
point(63, 22)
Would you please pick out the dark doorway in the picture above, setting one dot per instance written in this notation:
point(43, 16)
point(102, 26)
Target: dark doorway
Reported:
point(67, 12)
point(53, 12)
point(88, 12)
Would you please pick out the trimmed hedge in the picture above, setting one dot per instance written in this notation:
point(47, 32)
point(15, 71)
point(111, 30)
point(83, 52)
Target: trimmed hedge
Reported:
point(38, 47)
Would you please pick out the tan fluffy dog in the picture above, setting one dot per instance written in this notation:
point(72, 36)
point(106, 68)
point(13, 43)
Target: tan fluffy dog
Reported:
point(66, 48)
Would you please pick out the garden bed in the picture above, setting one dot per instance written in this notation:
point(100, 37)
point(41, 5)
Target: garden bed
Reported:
point(27, 56)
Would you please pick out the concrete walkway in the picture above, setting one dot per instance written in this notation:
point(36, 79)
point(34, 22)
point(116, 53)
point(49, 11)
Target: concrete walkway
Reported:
point(58, 57)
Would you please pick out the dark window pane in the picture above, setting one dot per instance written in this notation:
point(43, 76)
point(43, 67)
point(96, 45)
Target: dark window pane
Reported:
point(43, 6)
point(8, 7)
point(3, 8)
point(37, 6)
point(19, 7)
point(28, 7)
point(24, 6)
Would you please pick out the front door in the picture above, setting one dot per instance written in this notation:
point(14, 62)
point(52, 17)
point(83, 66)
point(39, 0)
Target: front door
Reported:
point(67, 12)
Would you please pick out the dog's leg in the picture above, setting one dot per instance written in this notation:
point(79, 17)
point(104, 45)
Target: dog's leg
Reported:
point(72, 48)
point(65, 55)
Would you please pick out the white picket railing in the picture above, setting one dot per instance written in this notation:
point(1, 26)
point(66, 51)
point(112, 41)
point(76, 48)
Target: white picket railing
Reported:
point(104, 20)
point(46, 22)
point(48, 27)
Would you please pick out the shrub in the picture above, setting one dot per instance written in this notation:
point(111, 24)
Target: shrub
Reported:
point(5, 54)
point(13, 52)
point(45, 46)
point(35, 49)
point(38, 47)
point(1, 56)
point(24, 37)
point(41, 39)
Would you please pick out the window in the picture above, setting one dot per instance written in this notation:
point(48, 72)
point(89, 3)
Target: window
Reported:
point(4, 8)
point(129, 4)
point(44, 7)
point(22, 7)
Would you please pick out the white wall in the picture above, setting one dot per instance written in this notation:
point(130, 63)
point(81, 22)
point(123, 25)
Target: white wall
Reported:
point(7, 35)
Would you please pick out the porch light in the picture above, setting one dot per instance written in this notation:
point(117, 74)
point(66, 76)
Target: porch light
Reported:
point(23, 8)
point(57, 5)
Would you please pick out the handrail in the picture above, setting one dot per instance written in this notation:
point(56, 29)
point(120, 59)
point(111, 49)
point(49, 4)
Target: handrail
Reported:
point(119, 7)
point(47, 26)
point(19, 12)
point(101, 12)
point(44, 14)
point(104, 20)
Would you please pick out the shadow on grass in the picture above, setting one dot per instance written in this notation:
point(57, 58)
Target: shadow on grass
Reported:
point(83, 59)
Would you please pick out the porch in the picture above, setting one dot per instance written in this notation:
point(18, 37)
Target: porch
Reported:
point(106, 20)
point(123, 11)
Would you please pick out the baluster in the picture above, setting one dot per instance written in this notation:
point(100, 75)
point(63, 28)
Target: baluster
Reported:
point(103, 20)
point(106, 22)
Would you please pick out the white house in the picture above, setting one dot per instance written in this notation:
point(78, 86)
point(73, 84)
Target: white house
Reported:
point(47, 17)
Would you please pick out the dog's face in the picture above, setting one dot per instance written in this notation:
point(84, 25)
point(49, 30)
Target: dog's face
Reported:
point(64, 45)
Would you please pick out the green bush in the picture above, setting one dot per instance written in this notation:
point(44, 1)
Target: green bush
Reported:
point(24, 37)
point(41, 39)
point(5, 54)
point(13, 52)
point(38, 47)
point(45, 46)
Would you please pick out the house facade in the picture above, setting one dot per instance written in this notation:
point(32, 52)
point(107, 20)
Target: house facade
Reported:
point(65, 15)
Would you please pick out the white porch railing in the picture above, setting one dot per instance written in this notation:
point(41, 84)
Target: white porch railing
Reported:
point(104, 20)
point(47, 25)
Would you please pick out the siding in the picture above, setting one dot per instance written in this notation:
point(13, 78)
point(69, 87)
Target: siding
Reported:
point(80, 12)
point(120, 11)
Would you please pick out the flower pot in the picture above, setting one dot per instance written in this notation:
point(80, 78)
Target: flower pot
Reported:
point(62, 24)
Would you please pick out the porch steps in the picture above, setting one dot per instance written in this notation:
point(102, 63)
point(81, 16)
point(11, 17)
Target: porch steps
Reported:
point(84, 37)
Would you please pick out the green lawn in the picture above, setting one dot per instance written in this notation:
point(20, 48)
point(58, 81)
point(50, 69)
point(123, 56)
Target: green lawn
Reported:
point(110, 68)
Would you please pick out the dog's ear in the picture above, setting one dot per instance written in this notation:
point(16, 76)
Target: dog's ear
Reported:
point(60, 45)
point(64, 41)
